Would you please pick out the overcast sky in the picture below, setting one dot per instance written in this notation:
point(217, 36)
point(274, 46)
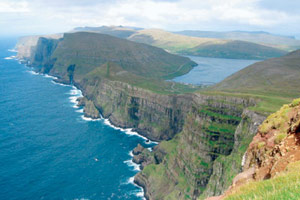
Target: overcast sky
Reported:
point(19, 17)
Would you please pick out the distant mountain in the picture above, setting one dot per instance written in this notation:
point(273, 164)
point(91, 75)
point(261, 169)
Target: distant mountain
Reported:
point(260, 37)
point(117, 31)
point(204, 46)
point(277, 76)
point(235, 49)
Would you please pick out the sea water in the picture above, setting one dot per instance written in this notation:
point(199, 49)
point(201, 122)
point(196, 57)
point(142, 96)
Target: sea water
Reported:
point(48, 150)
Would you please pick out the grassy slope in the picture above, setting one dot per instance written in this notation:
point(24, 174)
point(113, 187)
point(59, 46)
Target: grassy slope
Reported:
point(235, 49)
point(170, 41)
point(114, 72)
point(284, 186)
point(274, 82)
point(138, 64)
point(90, 50)
point(208, 47)
point(281, 42)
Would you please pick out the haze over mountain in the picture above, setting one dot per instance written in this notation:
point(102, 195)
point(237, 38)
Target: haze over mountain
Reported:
point(260, 37)
point(198, 46)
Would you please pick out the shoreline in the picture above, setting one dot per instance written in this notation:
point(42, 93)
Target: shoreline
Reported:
point(74, 99)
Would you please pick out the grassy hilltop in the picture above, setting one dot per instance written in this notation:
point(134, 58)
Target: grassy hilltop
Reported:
point(105, 56)
point(239, 47)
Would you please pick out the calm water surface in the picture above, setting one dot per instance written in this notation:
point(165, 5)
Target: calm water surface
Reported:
point(212, 70)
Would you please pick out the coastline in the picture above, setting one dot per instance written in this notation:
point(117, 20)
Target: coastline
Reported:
point(76, 93)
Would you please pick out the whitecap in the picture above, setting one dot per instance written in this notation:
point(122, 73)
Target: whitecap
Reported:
point(79, 111)
point(56, 83)
point(89, 119)
point(128, 131)
point(130, 163)
point(73, 99)
point(140, 192)
point(10, 57)
point(130, 153)
point(48, 76)
point(12, 50)
point(33, 72)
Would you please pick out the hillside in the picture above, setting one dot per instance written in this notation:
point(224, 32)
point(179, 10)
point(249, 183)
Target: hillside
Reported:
point(81, 54)
point(206, 47)
point(260, 37)
point(271, 164)
point(234, 49)
point(274, 76)
point(26, 43)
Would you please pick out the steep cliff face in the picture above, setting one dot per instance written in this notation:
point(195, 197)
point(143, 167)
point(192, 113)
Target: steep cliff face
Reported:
point(26, 45)
point(158, 117)
point(271, 160)
point(205, 156)
point(226, 167)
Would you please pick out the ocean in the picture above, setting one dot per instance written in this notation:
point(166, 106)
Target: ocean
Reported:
point(48, 150)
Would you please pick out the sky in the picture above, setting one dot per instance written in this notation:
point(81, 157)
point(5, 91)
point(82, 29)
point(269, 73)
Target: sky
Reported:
point(26, 17)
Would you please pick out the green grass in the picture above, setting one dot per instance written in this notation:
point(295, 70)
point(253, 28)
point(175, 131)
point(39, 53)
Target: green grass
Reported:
point(265, 103)
point(285, 186)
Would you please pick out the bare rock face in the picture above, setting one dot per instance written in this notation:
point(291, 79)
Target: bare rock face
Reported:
point(142, 156)
point(138, 149)
point(276, 144)
point(90, 110)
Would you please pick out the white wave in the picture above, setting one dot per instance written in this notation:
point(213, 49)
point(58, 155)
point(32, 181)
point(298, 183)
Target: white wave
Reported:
point(73, 99)
point(75, 92)
point(56, 83)
point(89, 119)
point(10, 58)
point(135, 166)
point(139, 193)
point(150, 149)
point(79, 111)
point(130, 153)
point(33, 72)
point(48, 76)
point(128, 131)
point(12, 50)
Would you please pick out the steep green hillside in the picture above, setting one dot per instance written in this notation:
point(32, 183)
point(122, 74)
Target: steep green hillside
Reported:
point(277, 75)
point(207, 47)
point(87, 51)
point(170, 41)
point(260, 37)
point(235, 49)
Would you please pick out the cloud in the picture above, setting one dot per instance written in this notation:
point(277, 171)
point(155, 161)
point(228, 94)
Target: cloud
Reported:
point(14, 7)
point(62, 15)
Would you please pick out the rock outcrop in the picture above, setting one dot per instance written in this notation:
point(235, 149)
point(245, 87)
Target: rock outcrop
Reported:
point(275, 147)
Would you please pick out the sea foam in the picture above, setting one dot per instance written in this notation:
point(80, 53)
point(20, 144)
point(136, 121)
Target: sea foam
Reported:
point(10, 58)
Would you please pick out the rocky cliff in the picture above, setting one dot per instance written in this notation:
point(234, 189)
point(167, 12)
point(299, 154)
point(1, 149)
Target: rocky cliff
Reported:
point(203, 136)
point(270, 158)
point(205, 156)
